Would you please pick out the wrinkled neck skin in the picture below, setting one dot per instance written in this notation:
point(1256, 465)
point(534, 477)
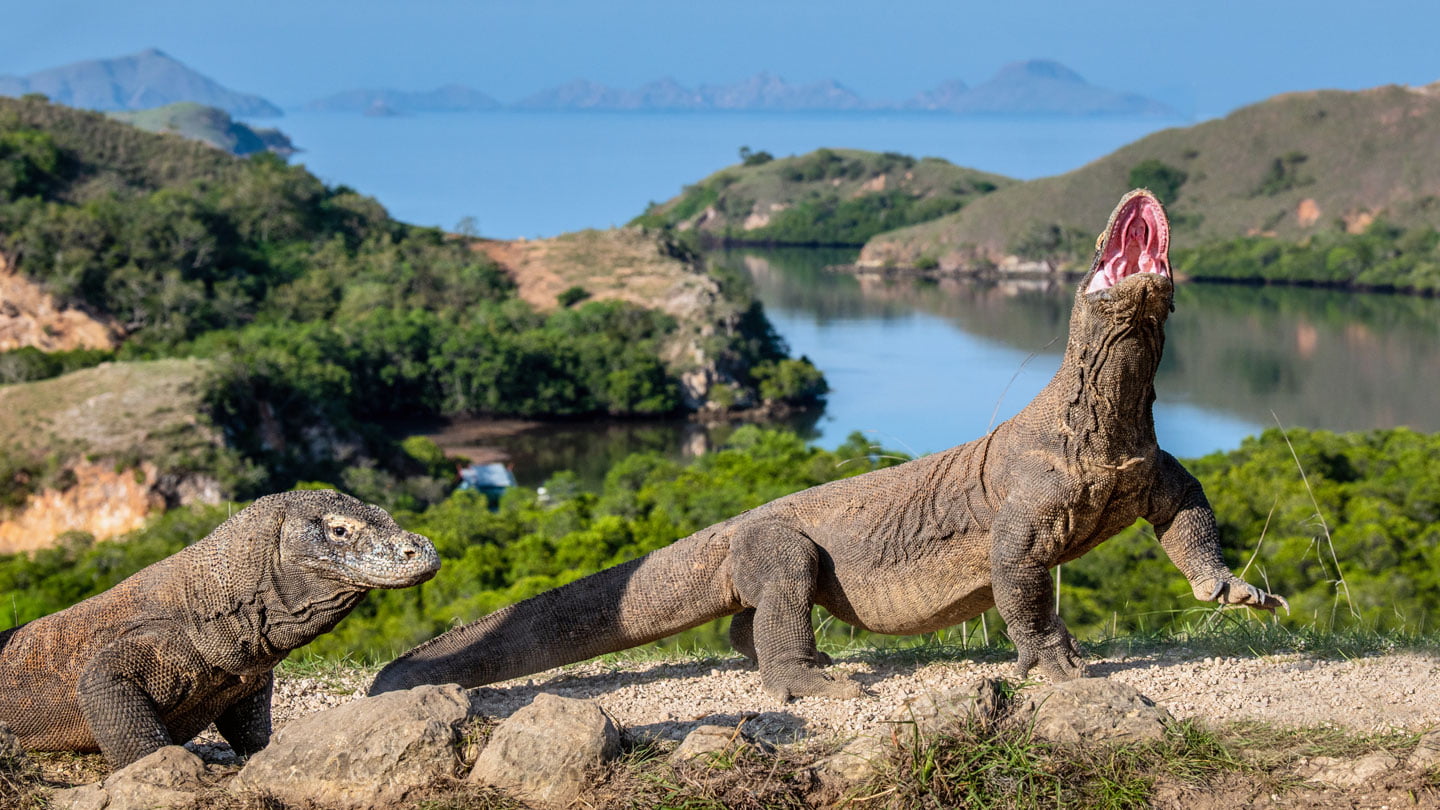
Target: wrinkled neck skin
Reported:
point(248, 609)
point(1106, 389)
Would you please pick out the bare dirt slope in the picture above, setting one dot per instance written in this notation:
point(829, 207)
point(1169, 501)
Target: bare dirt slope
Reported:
point(624, 264)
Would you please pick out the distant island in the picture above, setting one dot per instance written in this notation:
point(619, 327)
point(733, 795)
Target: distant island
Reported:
point(450, 98)
point(152, 78)
point(1037, 87)
point(210, 125)
point(139, 81)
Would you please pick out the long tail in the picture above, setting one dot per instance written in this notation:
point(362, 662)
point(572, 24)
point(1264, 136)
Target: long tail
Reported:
point(669, 590)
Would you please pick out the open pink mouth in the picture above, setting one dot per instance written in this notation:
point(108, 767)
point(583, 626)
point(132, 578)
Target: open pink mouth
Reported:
point(1139, 242)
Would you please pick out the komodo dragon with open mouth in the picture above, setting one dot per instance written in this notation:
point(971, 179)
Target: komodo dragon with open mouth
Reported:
point(916, 547)
point(193, 638)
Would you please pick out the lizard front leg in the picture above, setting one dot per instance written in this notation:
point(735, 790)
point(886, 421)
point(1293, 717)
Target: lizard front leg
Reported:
point(121, 692)
point(1185, 525)
point(245, 724)
point(1026, 536)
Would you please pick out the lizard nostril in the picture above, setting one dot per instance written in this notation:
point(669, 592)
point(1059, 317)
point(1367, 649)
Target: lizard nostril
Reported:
point(408, 551)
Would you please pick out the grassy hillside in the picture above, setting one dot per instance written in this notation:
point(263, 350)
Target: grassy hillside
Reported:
point(321, 316)
point(210, 125)
point(826, 197)
point(1287, 169)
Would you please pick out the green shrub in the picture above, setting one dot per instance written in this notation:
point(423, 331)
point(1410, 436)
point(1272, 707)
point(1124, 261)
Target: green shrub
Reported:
point(1163, 179)
point(572, 296)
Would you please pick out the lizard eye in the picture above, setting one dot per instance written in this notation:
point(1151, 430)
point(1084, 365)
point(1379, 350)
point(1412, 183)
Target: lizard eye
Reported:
point(339, 531)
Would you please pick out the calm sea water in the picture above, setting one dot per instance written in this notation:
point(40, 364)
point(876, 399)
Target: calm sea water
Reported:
point(923, 366)
point(916, 366)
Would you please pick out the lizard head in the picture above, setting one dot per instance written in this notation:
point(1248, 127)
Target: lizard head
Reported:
point(1129, 283)
point(348, 541)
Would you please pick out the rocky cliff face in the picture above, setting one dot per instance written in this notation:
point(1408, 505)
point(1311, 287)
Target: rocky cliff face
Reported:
point(110, 444)
point(29, 316)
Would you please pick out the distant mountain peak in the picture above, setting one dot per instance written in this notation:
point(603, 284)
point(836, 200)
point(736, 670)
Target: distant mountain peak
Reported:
point(137, 81)
point(1035, 87)
point(1038, 69)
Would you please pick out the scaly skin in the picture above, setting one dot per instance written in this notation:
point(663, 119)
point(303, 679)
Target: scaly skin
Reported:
point(193, 638)
point(917, 547)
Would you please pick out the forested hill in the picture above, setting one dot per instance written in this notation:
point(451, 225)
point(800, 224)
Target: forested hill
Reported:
point(211, 125)
point(825, 197)
point(317, 314)
point(1321, 167)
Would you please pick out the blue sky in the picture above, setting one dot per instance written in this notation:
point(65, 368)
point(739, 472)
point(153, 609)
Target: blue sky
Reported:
point(1205, 58)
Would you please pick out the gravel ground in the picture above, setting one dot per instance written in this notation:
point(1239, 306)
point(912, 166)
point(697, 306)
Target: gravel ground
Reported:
point(667, 699)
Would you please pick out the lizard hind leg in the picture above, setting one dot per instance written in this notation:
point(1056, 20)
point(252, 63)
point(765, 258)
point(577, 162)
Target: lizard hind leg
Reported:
point(775, 571)
point(742, 638)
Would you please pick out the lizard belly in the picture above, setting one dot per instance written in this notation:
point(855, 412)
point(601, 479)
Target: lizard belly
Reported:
point(910, 600)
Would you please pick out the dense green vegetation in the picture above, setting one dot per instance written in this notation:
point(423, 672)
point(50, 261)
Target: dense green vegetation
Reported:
point(1355, 544)
point(1162, 178)
point(825, 197)
point(29, 363)
point(1385, 256)
point(318, 309)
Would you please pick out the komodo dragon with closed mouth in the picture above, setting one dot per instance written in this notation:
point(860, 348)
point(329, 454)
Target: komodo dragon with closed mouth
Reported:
point(916, 547)
point(193, 638)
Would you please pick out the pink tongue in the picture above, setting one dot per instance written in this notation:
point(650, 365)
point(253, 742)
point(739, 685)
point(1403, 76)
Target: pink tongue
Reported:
point(1134, 257)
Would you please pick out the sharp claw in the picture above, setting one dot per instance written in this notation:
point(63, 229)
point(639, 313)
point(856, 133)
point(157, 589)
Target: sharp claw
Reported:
point(1219, 589)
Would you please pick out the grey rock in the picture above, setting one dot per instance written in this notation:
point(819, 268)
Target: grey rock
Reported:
point(168, 779)
point(1347, 772)
point(1427, 752)
point(705, 741)
point(917, 721)
point(1093, 710)
point(367, 754)
point(84, 797)
point(540, 754)
point(11, 751)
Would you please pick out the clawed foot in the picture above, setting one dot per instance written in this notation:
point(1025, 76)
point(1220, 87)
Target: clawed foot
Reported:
point(1236, 592)
point(806, 682)
point(1058, 660)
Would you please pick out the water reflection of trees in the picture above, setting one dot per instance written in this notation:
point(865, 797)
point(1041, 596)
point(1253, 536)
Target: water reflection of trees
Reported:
point(1320, 358)
point(588, 448)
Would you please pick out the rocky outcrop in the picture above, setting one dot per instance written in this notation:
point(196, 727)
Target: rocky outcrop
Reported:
point(367, 754)
point(1093, 710)
point(405, 748)
point(708, 742)
point(1427, 752)
point(29, 316)
point(103, 502)
point(95, 422)
point(915, 723)
point(169, 779)
point(543, 753)
point(1346, 772)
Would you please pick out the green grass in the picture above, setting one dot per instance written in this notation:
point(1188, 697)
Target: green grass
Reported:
point(974, 767)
